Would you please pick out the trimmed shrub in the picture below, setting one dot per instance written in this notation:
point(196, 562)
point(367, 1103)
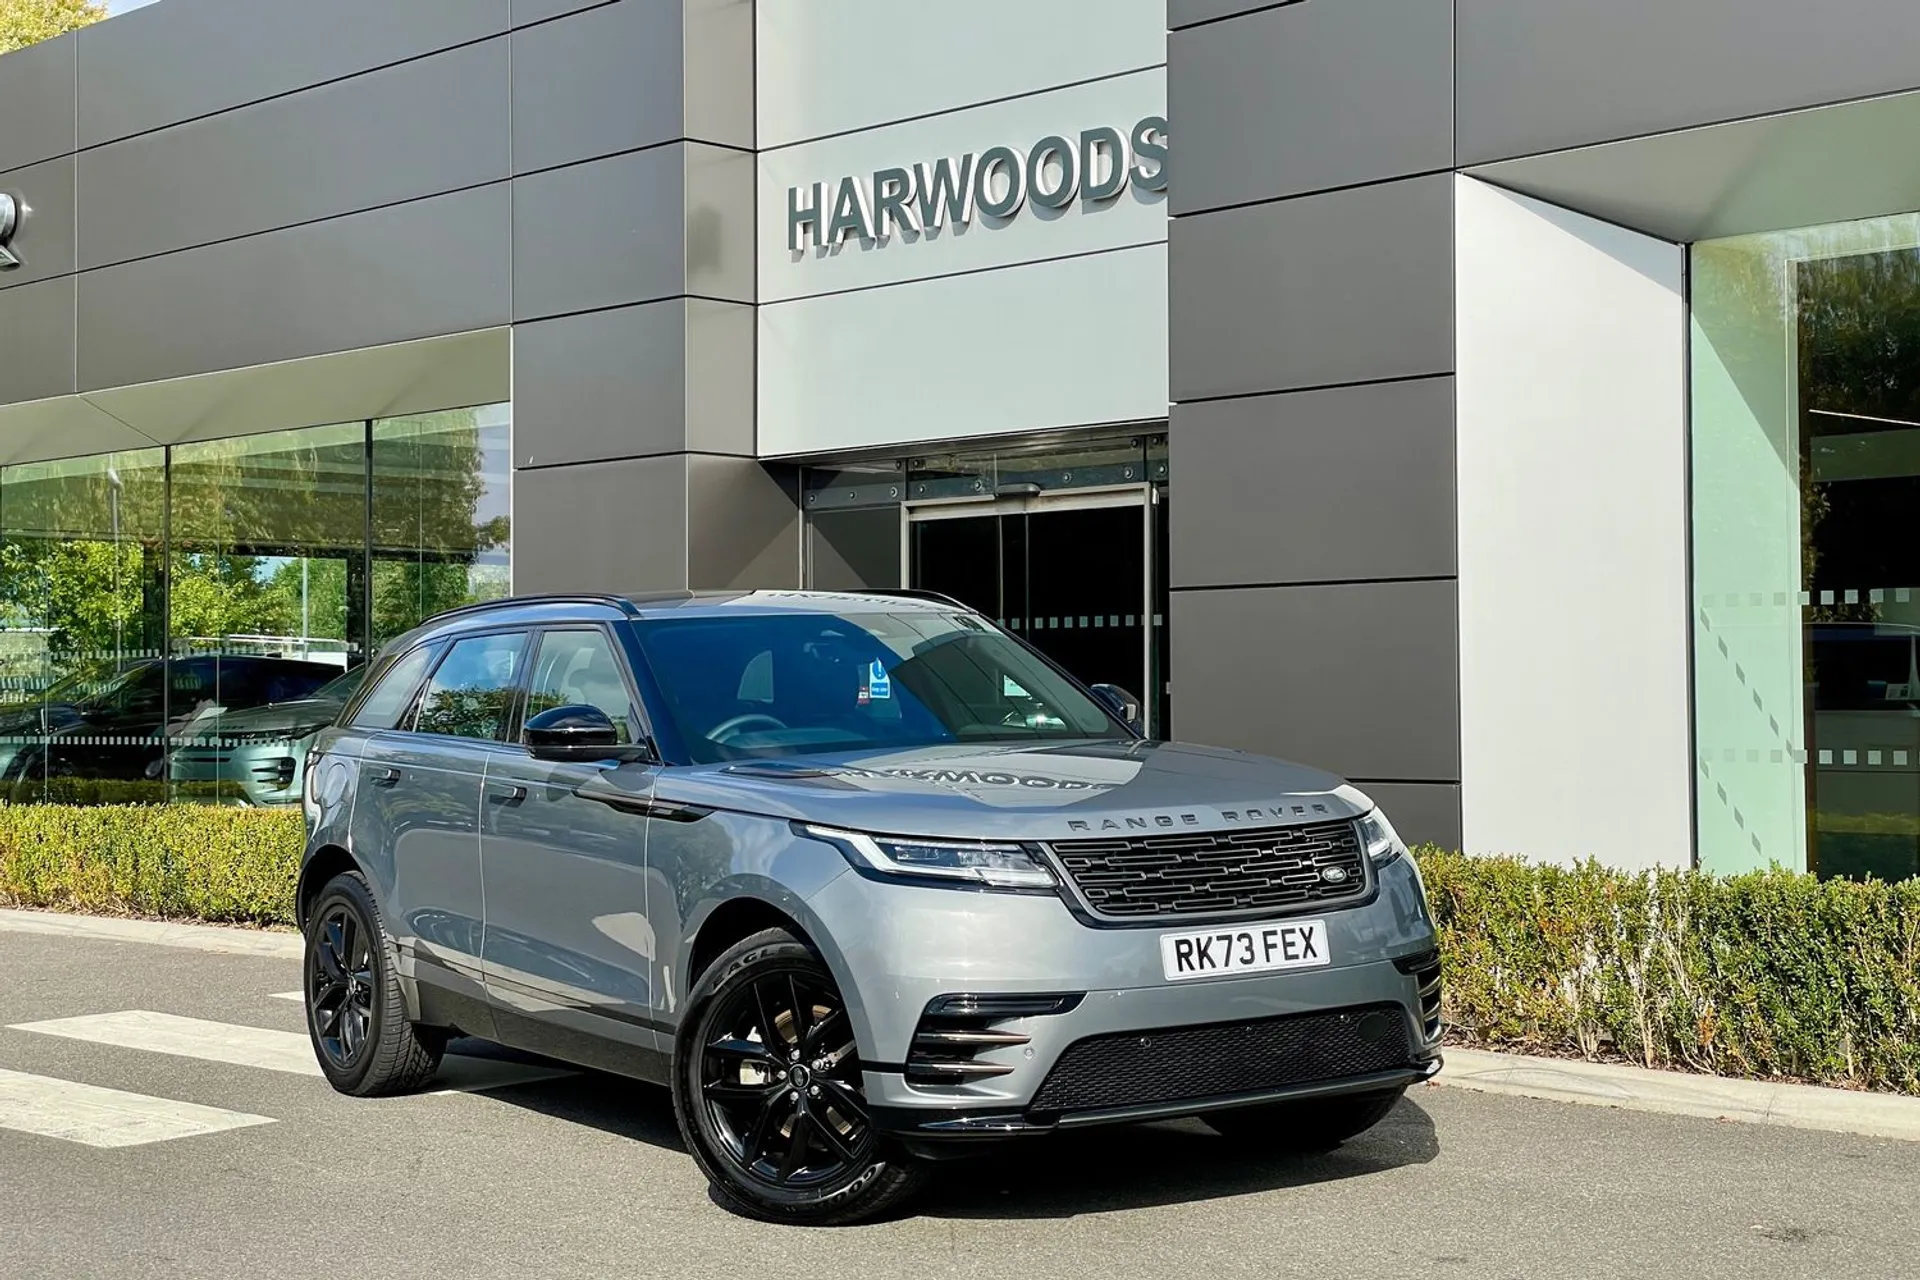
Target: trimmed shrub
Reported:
point(1771, 975)
point(200, 862)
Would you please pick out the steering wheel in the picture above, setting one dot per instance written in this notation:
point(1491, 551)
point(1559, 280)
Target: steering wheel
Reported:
point(728, 729)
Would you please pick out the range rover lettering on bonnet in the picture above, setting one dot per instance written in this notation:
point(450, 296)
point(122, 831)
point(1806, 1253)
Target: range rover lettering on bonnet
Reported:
point(1147, 822)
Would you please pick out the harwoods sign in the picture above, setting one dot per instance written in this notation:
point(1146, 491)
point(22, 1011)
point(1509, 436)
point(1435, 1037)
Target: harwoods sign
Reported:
point(1096, 167)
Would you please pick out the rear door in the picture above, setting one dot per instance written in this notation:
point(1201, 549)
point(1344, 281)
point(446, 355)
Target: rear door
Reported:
point(416, 818)
point(569, 952)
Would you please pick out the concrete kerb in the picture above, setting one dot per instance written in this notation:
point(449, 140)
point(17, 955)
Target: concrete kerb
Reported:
point(1602, 1084)
point(1605, 1084)
point(164, 933)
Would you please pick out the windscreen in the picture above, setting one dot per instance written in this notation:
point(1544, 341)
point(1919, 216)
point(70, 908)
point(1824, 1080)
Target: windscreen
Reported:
point(791, 683)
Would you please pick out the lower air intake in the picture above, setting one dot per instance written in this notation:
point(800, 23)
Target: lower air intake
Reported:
point(1186, 1064)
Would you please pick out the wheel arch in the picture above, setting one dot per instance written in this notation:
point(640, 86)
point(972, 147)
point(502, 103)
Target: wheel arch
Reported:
point(747, 910)
point(322, 865)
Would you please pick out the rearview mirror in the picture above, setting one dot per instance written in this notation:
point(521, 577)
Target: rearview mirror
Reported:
point(572, 733)
point(1121, 703)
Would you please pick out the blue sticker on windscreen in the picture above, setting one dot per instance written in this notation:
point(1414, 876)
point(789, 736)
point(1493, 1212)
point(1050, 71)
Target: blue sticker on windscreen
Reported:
point(879, 684)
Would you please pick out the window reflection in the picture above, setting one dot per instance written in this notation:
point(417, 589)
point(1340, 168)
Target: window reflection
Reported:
point(187, 645)
point(1807, 622)
point(441, 535)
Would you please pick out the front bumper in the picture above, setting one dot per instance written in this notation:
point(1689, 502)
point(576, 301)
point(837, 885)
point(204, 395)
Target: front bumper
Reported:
point(1366, 1022)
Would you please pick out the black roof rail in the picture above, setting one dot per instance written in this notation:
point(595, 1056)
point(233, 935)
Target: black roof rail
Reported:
point(624, 605)
point(916, 593)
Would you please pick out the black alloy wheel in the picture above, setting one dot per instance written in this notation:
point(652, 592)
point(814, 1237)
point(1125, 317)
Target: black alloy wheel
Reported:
point(340, 986)
point(356, 1012)
point(769, 1094)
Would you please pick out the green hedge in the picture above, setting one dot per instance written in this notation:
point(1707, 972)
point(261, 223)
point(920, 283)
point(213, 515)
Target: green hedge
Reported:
point(1770, 975)
point(202, 862)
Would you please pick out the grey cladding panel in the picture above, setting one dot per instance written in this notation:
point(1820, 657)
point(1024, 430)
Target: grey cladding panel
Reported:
point(428, 126)
point(596, 82)
point(36, 102)
point(185, 58)
point(1346, 287)
point(1315, 486)
point(1360, 679)
point(1185, 13)
point(635, 228)
point(526, 12)
point(1422, 812)
point(607, 384)
point(44, 239)
point(37, 320)
point(603, 234)
point(1309, 97)
point(414, 270)
point(1538, 75)
point(605, 526)
point(743, 525)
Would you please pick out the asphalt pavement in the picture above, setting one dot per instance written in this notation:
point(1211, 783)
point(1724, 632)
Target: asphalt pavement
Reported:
point(156, 1119)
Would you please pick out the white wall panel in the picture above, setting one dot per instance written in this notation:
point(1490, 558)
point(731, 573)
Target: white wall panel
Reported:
point(1078, 341)
point(1572, 468)
point(830, 66)
point(1136, 216)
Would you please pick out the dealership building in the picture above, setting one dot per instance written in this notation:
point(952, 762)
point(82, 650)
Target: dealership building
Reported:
point(1507, 404)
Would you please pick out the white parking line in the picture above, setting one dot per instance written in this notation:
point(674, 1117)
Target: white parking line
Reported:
point(288, 1051)
point(295, 996)
point(188, 1038)
point(105, 1117)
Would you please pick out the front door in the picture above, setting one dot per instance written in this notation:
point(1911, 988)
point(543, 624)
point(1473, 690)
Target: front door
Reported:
point(1069, 573)
point(570, 957)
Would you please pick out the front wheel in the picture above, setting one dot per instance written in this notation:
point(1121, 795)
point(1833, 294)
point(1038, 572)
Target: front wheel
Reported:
point(356, 1014)
point(767, 1089)
point(1318, 1124)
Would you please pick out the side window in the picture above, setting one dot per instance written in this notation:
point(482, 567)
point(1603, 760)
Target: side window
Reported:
point(578, 668)
point(391, 697)
point(471, 692)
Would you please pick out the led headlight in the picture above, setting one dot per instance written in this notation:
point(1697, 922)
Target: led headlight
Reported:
point(996, 865)
point(1382, 842)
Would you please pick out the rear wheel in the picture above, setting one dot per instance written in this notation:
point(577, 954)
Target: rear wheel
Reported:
point(356, 1015)
point(1318, 1124)
point(767, 1088)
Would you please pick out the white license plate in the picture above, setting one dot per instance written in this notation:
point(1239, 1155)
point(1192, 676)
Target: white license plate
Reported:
point(1254, 948)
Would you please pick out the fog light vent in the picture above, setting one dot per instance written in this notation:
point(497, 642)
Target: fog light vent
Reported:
point(955, 1029)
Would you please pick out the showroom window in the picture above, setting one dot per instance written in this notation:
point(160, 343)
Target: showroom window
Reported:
point(174, 623)
point(1806, 487)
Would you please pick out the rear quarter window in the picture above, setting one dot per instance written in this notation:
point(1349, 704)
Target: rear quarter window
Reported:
point(393, 692)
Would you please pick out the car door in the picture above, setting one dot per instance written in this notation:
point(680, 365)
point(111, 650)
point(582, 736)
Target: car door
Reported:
point(416, 817)
point(570, 958)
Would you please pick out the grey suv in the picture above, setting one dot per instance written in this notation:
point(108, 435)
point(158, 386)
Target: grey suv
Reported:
point(864, 879)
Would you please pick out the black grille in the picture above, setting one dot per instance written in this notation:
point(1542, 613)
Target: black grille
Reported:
point(1215, 872)
point(1223, 1059)
point(1425, 969)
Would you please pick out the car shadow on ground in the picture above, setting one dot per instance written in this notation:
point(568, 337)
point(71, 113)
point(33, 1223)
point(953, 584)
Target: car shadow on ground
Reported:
point(1153, 1165)
point(1057, 1176)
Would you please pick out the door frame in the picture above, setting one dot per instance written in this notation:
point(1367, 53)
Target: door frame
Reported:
point(1145, 495)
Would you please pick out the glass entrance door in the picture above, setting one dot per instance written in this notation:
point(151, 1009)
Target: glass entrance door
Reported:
point(1070, 573)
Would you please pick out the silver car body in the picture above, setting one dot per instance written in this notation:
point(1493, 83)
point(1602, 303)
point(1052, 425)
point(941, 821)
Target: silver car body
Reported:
point(567, 908)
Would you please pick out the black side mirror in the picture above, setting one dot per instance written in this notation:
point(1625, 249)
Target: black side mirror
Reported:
point(572, 733)
point(1121, 703)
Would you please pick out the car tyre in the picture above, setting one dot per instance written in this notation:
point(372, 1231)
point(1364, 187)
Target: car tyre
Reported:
point(1318, 1124)
point(356, 1013)
point(767, 1089)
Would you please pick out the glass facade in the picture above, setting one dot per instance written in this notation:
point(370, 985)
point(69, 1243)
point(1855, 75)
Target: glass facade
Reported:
point(175, 621)
point(1806, 610)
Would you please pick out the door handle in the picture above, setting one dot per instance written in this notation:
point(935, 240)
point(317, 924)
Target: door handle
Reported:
point(506, 793)
point(386, 777)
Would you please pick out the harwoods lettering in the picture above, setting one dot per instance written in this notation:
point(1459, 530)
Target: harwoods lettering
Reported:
point(948, 192)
